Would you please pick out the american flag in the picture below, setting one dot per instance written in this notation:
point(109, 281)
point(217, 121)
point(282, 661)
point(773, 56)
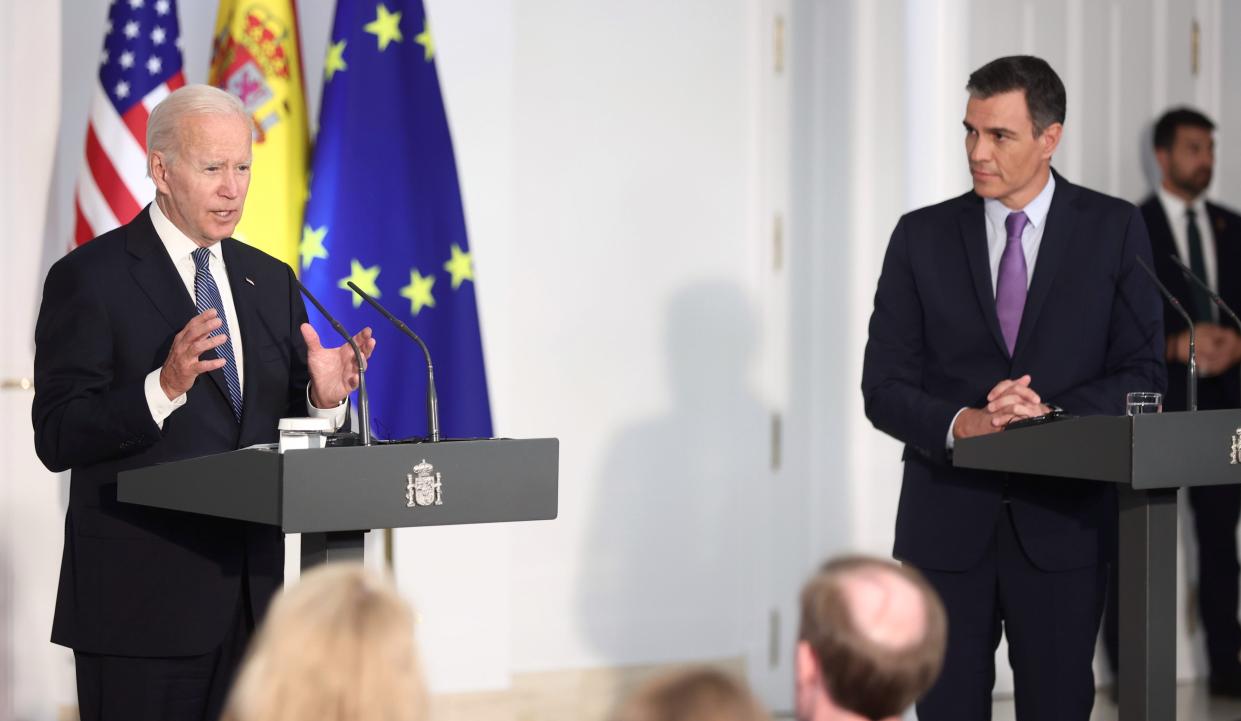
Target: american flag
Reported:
point(139, 67)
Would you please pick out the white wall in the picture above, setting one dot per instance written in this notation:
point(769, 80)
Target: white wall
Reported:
point(32, 672)
point(623, 166)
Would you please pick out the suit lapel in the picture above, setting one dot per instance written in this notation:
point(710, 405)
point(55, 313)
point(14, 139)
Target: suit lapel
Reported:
point(973, 225)
point(1163, 249)
point(155, 274)
point(1227, 254)
point(1159, 227)
point(1058, 236)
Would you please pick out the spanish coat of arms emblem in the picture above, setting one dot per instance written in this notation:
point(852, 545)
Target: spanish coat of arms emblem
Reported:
point(423, 486)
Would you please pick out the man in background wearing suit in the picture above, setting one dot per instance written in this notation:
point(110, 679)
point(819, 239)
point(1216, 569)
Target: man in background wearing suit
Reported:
point(162, 340)
point(1207, 238)
point(1019, 296)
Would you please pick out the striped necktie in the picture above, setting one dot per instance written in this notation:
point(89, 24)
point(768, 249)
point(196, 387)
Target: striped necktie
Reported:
point(207, 295)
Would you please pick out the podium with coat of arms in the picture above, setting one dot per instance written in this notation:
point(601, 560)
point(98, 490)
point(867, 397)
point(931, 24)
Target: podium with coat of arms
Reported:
point(333, 496)
point(1148, 457)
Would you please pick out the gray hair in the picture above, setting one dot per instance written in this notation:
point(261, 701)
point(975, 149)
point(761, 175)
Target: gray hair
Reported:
point(163, 127)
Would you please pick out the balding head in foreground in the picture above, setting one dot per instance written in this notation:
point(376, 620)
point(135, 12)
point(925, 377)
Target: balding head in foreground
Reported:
point(871, 641)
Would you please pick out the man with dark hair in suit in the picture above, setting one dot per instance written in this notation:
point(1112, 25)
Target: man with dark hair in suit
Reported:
point(162, 340)
point(1019, 296)
point(1207, 238)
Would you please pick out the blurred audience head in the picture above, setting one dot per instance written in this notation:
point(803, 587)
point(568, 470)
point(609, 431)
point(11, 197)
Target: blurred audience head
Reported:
point(336, 646)
point(871, 641)
point(696, 694)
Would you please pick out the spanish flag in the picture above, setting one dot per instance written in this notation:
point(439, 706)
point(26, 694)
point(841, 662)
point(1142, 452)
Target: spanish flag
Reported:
point(257, 57)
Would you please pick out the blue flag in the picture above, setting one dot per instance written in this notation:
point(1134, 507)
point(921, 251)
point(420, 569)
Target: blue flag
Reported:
point(385, 212)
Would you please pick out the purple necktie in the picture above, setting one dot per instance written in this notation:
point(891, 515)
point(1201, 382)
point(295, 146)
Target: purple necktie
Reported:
point(1010, 283)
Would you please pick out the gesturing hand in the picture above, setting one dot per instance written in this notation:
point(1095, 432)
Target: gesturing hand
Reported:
point(182, 367)
point(334, 371)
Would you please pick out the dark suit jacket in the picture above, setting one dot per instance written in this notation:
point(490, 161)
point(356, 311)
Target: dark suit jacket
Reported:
point(139, 581)
point(1091, 332)
point(1219, 391)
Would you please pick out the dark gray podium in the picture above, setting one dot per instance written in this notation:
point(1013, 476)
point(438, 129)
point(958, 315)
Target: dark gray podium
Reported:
point(333, 496)
point(1149, 457)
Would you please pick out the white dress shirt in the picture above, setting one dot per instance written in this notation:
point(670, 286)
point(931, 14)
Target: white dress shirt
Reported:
point(1175, 210)
point(997, 237)
point(1031, 237)
point(180, 248)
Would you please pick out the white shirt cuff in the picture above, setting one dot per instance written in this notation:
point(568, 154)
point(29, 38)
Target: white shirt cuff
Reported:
point(335, 416)
point(950, 442)
point(157, 400)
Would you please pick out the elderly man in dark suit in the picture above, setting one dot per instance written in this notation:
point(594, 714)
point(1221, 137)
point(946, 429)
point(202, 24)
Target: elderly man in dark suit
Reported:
point(1002, 303)
point(1207, 238)
point(161, 340)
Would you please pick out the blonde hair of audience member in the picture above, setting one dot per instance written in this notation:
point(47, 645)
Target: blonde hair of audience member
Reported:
point(696, 694)
point(871, 642)
point(336, 646)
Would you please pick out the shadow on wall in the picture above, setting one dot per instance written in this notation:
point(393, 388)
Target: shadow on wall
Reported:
point(675, 528)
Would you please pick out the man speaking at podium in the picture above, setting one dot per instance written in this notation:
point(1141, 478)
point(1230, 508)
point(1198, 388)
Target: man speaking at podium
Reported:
point(162, 340)
point(995, 305)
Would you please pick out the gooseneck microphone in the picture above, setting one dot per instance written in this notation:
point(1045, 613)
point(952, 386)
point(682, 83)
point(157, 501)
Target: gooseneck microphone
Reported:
point(363, 399)
point(1206, 288)
point(1191, 380)
point(1219, 302)
point(433, 404)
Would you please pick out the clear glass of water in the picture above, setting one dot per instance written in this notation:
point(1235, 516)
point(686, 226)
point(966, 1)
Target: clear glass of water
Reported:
point(1143, 402)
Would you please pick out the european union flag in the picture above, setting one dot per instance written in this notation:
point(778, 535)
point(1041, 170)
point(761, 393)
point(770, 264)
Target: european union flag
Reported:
point(385, 212)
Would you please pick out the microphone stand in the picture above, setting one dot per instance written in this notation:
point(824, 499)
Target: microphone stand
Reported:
point(433, 405)
point(1191, 379)
point(1215, 297)
point(363, 398)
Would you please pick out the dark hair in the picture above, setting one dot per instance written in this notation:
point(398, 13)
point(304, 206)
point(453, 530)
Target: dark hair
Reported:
point(867, 678)
point(1045, 97)
point(1165, 127)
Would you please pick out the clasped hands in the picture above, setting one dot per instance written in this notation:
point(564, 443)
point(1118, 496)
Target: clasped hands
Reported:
point(334, 372)
point(1007, 401)
point(1218, 348)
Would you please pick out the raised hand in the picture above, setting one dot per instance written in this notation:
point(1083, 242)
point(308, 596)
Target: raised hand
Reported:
point(334, 371)
point(182, 366)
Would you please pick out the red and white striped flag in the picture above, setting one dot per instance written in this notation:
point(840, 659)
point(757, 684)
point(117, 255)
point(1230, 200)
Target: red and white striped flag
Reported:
point(140, 66)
